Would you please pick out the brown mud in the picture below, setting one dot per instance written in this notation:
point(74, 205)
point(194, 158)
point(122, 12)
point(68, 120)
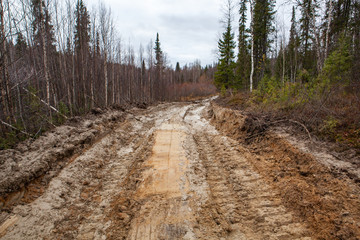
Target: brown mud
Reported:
point(319, 188)
point(166, 173)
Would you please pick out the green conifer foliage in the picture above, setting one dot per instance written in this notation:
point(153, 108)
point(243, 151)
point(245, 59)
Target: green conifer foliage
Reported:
point(243, 60)
point(82, 27)
point(224, 76)
point(158, 52)
point(262, 26)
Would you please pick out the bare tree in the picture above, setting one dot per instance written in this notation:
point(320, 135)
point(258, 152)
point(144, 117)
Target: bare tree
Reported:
point(4, 78)
point(105, 28)
point(150, 62)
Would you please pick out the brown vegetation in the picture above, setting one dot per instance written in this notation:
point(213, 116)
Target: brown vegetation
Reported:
point(332, 116)
point(323, 196)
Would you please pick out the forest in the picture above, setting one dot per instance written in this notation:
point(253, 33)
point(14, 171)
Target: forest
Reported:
point(309, 74)
point(101, 139)
point(59, 60)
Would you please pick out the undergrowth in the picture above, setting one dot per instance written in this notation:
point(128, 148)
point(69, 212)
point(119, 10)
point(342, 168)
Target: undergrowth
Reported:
point(330, 111)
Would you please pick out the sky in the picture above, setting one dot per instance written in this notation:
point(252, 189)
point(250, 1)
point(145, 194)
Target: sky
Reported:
point(188, 29)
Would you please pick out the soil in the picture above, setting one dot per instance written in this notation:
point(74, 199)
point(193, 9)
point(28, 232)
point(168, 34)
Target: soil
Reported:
point(175, 171)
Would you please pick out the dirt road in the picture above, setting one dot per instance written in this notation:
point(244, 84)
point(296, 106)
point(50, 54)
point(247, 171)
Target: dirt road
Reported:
point(162, 173)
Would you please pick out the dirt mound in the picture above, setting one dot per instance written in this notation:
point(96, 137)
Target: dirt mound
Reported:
point(326, 199)
point(242, 127)
point(45, 156)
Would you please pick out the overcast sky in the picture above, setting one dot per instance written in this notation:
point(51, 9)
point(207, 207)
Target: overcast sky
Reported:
point(189, 29)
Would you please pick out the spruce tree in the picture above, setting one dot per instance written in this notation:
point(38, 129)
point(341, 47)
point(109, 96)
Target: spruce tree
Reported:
point(243, 58)
point(177, 69)
point(82, 47)
point(158, 68)
point(308, 11)
point(41, 16)
point(158, 52)
point(82, 27)
point(341, 18)
point(262, 29)
point(355, 34)
point(20, 46)
point(293, 48)
point(224, 76)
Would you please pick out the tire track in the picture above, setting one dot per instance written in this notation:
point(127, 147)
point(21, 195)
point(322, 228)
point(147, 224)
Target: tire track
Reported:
point(245, 205)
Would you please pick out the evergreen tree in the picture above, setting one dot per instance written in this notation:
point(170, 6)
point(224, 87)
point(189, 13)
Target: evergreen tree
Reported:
point(177, 69)
point(158, 68)
point(293, 46)
point(82, 27)
point(341, 19)
point(243, 59)
point(262, 28)
point(39, 18)
point(158, 53)
point(308, 12)
point(224, 76)
point(44, 40)
point(20, 46)
point(355, 35)
point(177, 72)
point(82, 48)
point(338, 65)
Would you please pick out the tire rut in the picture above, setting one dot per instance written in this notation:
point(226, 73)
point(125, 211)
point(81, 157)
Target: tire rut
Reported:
point(164, 173)
point(242, 203)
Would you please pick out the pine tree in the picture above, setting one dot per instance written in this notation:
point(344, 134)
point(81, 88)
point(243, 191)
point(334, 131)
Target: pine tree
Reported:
point(262, 28)
point(243, 58)
point(224, 76)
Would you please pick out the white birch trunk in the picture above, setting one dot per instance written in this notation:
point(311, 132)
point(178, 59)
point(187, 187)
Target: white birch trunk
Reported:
point(252, 45)
point(328, 29)
point(106, 79)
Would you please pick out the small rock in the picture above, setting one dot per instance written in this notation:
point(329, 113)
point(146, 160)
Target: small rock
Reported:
point(122, 208)
point(124, 217)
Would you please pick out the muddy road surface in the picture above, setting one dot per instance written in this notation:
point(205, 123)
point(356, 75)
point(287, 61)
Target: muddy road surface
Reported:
point(167, 173)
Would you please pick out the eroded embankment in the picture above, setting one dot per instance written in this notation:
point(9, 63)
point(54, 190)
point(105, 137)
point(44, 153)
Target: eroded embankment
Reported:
point(26, 170)
point(327, 200)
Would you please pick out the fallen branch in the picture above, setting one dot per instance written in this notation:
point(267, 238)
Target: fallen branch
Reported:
point(299, 123)
point(11, 126)
point(296, 122)
point(285, 120)
point(47, 104)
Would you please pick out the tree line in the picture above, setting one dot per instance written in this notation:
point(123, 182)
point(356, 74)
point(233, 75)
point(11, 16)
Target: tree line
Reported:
point(322, 46)
point(59, 60)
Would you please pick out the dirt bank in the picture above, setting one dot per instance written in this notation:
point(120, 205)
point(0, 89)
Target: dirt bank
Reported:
point(38, 161)
point(321, 190)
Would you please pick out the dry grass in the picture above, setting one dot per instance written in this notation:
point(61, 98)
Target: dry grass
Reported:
point(334, 116)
